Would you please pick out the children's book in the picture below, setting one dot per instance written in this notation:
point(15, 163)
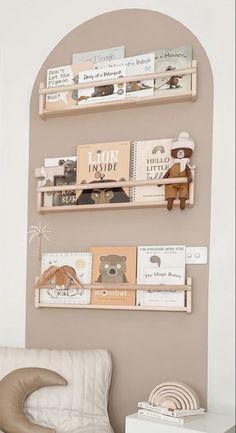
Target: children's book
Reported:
point(137, 65)
point(113, 265)
point(149, 160)
point(99, 163)
point(62, 198)
point(104, 55)
point(82, 264)
point(60, 77)
point(161, 265)
point(172, 59)
point(99, 93)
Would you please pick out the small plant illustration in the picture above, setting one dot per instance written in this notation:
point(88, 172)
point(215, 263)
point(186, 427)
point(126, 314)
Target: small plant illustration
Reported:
point(40, 232)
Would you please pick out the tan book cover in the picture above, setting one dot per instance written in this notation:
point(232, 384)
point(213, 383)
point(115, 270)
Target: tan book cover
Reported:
point(99, 163)
point(113, 265)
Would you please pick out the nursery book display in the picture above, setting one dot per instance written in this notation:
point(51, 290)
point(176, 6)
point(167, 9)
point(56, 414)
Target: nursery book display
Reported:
point(113, 266)
point(81, 263)
point(164, 265)
point(99, 163)
point(150, 159)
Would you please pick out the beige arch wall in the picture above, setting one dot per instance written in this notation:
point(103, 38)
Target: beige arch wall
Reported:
point(147, 347)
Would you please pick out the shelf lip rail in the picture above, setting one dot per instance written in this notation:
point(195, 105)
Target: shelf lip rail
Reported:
point(119, 184)
point(166, 74)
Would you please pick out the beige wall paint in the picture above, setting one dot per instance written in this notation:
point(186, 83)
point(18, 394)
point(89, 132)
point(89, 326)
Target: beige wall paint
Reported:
point(147, 347)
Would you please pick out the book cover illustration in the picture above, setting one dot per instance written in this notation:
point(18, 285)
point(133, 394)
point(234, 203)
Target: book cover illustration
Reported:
point(68, 197)
point(98, 94)
point(82, 264)
point(136, 65)
point(59, 77)
point(161, 265)
point(104, 55)
point(113, 265)
point(99, 163)
point(150, 159)
point(169, 60)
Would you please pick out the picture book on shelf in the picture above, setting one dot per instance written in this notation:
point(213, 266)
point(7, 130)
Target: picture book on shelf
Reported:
point(62, 198)
point(59, 77)
point(113, 265)
point(100, 93)
point(170, 59)
point(136, 65)
point(82, 264)
point(104, 55)
point(103, 162)
point(149, 160)
point(161, 265)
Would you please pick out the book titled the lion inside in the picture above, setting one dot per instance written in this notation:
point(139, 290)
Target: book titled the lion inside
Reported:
point(113, 266)
point(103, 162)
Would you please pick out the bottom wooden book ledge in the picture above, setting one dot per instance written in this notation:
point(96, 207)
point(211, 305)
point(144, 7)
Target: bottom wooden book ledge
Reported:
point(74, 303)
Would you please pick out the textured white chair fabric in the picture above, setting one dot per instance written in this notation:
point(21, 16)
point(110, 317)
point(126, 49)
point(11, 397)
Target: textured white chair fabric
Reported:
point(80, 407)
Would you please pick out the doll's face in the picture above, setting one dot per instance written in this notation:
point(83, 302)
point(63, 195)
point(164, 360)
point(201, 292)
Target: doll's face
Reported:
point(181, 152)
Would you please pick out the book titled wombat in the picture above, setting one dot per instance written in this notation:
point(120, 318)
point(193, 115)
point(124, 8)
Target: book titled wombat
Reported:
point(113, 268)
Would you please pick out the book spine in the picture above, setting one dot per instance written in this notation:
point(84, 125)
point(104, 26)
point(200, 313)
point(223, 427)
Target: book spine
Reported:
point(132, 170)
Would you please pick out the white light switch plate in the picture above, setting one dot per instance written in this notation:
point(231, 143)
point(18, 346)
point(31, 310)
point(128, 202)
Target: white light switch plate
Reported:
point(196, 255)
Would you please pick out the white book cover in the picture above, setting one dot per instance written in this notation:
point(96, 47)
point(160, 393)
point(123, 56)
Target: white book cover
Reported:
point(168, 59)
point(104, 55)
point(161, 265)
point(136, 65)
point(59, 77)
point(82, 264)
point(98, 94)
point(150, 159)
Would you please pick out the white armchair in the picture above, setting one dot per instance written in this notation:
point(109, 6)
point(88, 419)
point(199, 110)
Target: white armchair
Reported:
point(80, 407)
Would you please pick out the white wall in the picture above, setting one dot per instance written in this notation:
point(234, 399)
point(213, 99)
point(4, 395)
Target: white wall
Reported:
point(29, 30)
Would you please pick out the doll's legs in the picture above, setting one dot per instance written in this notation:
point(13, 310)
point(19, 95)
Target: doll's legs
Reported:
point(171, 192)
point(183, 195)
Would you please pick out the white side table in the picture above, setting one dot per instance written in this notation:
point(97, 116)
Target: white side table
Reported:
point(209, 423)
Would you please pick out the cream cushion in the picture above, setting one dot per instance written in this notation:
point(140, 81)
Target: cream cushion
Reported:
point(81, 406)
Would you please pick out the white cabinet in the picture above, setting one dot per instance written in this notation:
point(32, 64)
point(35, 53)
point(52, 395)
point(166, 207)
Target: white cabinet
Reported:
point(209, 423)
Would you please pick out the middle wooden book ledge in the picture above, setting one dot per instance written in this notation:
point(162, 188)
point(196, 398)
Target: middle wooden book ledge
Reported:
point(106, 185)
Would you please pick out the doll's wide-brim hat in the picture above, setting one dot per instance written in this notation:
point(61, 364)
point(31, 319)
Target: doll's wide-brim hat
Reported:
point(184, 140)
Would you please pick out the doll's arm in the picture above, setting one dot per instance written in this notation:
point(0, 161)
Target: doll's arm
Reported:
point(189, 174)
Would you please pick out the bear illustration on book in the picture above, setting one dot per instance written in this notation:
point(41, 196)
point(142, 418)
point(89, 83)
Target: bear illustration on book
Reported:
point(102, 195)
point(112, 269)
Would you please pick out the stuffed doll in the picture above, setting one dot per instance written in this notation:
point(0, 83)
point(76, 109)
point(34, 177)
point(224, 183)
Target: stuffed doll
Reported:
point(181, 150)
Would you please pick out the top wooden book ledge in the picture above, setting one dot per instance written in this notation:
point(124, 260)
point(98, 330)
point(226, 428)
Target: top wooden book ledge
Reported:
point(173, 95)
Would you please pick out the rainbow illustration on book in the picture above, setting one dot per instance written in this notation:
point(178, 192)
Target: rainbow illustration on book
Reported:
point(174, 396)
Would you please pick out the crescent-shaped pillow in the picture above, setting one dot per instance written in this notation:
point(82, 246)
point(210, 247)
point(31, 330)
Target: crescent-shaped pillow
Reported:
point(14, 389)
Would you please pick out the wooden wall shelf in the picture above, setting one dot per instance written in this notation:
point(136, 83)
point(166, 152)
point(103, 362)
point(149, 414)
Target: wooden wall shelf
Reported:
point(124, 184)
point(175, 95)
point(187, 288)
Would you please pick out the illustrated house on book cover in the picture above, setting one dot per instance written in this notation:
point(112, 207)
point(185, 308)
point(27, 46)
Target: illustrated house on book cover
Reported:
point(82, 264)
point(169, 60)
point(161, 265)
point(137, 65)
point(149, 160)
point(99, 163)
point(113, 265)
